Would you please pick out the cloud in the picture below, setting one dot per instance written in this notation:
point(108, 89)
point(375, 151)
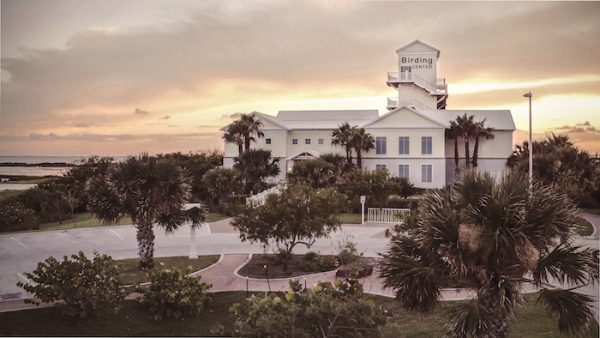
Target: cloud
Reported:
point(140, 112)
point(583, 127)
point(233, 116)
point(223, 57)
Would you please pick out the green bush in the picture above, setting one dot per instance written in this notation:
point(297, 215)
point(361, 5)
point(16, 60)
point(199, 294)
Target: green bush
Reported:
point(322, 311)
point(16, 217)
point(174, 294)
point(312, 261)
point(87, 287)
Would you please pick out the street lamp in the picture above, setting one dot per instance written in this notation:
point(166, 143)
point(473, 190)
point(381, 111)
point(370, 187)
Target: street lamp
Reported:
point(529, 95)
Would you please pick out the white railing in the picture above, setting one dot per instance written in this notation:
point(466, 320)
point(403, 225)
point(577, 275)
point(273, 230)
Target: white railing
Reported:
point(260, 198)
point(385, 215)
point(440, 87)
point(393, 103)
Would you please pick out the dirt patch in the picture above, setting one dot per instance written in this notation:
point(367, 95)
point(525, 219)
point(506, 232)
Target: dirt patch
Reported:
point(255, 268)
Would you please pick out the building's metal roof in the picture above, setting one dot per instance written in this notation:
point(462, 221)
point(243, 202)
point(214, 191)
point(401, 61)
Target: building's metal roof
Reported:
point(497, 119)
point(324, 119)
point(420, 43)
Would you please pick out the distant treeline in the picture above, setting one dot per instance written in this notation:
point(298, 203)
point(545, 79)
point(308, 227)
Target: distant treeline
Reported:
point(43, 164)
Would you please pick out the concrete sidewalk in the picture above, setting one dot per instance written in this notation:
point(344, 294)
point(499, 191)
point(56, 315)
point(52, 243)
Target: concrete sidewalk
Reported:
point(223, 277)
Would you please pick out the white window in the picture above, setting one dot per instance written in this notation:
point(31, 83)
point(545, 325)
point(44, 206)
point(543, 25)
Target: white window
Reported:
point(321, 141)
point(426, 147)
point(294, 141)
point(403, 171)
point(380, 167)
point(268, 141)
point(403, 145)
point(426, 173)
point(306, 141)
point(380, 145)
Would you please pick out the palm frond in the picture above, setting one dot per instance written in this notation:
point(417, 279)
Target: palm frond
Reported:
point(572, 310)
point(416, 276)
point(569, 263)
point(467, 320)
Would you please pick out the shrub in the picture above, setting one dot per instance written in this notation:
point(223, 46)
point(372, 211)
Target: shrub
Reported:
point(312, 261)
point(322, 311)
point(15, 217)
point(87, 287)
point(174, 294)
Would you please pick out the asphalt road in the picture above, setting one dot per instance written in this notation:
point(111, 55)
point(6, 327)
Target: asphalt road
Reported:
point(21, 252)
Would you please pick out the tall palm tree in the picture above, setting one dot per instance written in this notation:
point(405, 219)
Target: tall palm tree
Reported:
point(467, 127)
point(148, 189)
point(234, 134)
point(342, 136)
point(250, 127)
point(480, 131)
point(491, 237)
point(454, 133)
point(361, 141)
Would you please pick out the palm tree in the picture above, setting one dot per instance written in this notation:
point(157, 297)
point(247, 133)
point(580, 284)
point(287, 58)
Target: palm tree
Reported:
point(342, 136)
point(234, 135)
point(467, 126)
point(489, 238)
point(480, 131)
point(250, 127)
point(454, 133)
point(148, 189)
point(361, 141)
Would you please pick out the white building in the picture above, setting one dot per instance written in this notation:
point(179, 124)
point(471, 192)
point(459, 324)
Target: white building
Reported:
point(410, 137)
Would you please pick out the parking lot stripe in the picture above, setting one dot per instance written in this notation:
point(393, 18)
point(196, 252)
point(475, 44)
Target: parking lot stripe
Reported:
point(20, 243)
point(116, 234)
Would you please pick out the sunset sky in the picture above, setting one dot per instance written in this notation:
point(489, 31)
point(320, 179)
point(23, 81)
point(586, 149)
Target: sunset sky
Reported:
point(120, 77)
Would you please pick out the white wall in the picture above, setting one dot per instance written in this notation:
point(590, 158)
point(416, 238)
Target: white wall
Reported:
point(495, 167)
point(438, 172)
point(423, 69)
point(313, 135)
point(498, 147)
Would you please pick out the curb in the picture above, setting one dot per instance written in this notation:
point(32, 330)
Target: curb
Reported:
point(237, 275)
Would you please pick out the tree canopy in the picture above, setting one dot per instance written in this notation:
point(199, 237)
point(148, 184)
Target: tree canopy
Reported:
point(299, 215)
point(490, 237)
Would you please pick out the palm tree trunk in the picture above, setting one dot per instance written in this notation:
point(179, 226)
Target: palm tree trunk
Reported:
point(497, 320)
point(358, 159)
point(475, 152)
point(349, 155)
point(456, 169)
point(247, 143)
point(145, 239)
point(467, 160)
point(240, 149)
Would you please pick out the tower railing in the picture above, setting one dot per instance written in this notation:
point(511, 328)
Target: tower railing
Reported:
point(439, 88)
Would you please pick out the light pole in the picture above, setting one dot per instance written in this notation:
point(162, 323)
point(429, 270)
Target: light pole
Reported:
point(529, 95)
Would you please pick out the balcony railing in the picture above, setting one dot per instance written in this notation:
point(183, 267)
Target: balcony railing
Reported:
point(440, 88)
point(392, 103)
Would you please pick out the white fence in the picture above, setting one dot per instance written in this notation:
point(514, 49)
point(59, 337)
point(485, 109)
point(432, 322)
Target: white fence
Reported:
point(385, 215)
point(260, 198)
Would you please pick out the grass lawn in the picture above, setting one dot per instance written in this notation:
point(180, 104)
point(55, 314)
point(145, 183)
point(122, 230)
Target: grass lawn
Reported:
point(83, 220)
point(350, 218)
point(584, 228)
point(531, 321)
point(592, 211)
point(27, 179)
point(86, 220)
point(129, 272)
point(214, 217)
point(8, 193)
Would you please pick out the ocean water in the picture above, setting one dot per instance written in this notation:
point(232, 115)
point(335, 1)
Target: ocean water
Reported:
point(40, 170)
